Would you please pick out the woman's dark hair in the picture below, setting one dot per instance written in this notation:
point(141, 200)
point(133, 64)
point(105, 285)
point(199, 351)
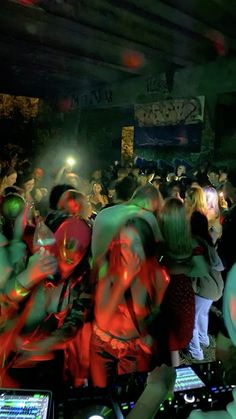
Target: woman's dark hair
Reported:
point(7, 171)
point(56, 193)
point(199, 227)
point(125, 188)
point(24, 177)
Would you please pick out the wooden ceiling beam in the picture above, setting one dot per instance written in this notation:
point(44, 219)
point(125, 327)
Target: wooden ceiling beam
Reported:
point(46, 59)
point(211, 12)
point(68, 36)
point(100, 26)
point(194, 26)
point(124, 24)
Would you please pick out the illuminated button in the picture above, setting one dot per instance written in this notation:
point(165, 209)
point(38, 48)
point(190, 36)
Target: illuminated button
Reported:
point(210, 399)
point(213, 388)
point(189, 398)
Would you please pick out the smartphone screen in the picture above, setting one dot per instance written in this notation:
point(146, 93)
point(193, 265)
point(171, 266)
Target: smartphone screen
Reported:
point(187, 379)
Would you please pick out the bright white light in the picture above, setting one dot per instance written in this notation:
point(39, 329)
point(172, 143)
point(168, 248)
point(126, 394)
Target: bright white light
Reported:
point(96, 417)
point(70, 161)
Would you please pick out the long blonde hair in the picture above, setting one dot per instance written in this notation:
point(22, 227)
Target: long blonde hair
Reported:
point(175, 227)
point(195, 200)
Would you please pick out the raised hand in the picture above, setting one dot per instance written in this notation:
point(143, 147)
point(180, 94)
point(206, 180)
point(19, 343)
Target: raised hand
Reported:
point(40, 266)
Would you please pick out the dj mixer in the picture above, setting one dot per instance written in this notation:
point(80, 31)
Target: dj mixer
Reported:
point(199, 386)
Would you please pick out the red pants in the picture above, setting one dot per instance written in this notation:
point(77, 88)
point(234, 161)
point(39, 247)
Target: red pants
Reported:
point(107, 359)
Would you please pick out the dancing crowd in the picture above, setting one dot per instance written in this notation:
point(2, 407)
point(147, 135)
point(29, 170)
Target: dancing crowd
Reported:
point(112, 273)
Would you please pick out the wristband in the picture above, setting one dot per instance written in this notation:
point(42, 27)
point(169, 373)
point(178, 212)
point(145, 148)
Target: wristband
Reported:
point(20, 290)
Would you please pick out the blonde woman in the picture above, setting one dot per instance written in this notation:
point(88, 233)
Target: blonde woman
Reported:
point(193, 263)
point(195, 200)
point(205, 202)
point(97, 198)
point(213, 213)
point(8, 178)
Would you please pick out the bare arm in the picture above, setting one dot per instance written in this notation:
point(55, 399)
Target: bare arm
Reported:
point(160, 382)
point(112, 286)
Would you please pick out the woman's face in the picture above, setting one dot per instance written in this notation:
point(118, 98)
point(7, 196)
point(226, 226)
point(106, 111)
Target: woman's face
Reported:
point(181, 171)
point(11, 179)
point(97, 188)
point(29, 185)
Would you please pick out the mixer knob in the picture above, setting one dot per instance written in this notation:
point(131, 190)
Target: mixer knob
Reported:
point(189, 398)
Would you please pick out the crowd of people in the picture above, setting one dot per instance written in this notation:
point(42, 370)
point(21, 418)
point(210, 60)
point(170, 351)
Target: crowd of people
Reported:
point(110, 274)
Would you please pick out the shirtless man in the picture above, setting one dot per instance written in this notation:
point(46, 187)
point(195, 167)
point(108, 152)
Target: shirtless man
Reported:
point(131, 284)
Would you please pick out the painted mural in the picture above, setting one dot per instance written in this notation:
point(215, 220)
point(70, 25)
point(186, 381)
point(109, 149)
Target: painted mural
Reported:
point(28, 107)
point(170, 112)
point(127, 144)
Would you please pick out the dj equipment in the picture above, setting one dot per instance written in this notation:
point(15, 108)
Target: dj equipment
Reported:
point(25, 404)
point(197, 387)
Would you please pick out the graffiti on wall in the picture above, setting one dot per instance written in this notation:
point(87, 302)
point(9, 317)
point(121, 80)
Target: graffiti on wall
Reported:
point(93, 98)
point(170, 112)
point(28, 107)
point(127, 144)
point(156, 85)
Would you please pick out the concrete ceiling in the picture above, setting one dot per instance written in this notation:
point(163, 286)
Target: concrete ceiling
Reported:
point(53, 47)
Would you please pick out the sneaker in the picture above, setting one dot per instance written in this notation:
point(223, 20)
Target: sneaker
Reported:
point(205, 345)
point(187, 358)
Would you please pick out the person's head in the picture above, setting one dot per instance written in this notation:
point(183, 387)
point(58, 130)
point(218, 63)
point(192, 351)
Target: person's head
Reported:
point(97, 188)
point(122, 172)
point(181, 170)
point(213, 176)
point(97, 174)
point(56, 194)
point(73, 203)
point(135, 171)
point(147, 197)
point(175, 228)
point(38, 173)
point(195, 200)
point(229, 188)
point(26, 182)
point(12, 207)
point(73, 179)
point(111, 190)
point(156, 182)
point(195, 184)
point(142, 179)
point(174, 190)
point(223, 174)
point(8, 177)
point(125, 188)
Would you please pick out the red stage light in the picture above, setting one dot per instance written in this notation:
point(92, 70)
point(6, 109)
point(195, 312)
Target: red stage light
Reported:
point(218, 41)
point(133, 59)
point(27, 2)
point(65, 105)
